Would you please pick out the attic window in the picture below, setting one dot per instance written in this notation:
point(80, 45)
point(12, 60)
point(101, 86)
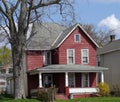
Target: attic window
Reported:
point(77, 37)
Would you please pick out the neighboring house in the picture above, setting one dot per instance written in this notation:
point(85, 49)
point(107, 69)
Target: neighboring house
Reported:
point(64, 58)
point(109, 56)
point(5, 73)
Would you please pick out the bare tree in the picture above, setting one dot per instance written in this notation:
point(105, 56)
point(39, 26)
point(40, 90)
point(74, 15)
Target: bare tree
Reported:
point(101, 37)
point(16, 15)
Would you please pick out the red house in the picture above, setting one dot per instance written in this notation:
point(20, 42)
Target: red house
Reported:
point(63, 57)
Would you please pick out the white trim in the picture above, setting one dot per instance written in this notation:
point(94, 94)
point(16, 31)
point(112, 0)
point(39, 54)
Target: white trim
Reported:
point(78, 25)
point(57, 38)
point(73, 56)
point(102, 77)
point(75, 38)
point(83, 90)
point(82, 55)
point(40, 79)
point(88, 79)
point(66, 79)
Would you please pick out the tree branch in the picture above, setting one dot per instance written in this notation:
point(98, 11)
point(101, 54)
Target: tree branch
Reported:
point(13, 8)
point(47, 3)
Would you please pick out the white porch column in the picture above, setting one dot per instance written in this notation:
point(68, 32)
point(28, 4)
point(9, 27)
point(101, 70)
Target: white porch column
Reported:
point(102, 77)
point(66, 79)
point(40, 79)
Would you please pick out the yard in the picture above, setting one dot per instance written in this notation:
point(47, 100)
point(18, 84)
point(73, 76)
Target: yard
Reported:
point(6, 98)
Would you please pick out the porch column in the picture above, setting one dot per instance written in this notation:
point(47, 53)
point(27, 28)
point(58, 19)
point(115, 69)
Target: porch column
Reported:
point(40, 80)
point(102, 77)
point(66, 79)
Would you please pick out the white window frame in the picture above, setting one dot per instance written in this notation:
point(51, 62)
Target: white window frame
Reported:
point(88, 81)
point(75, 40)
point(71, 77)
point(73, 56)
point(45, 54)
point(83, 56)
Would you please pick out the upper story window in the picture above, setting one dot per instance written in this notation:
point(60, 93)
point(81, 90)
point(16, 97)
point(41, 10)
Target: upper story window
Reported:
point(47, 57)
point(77, 37)
point(85, 56)
point(70, 56)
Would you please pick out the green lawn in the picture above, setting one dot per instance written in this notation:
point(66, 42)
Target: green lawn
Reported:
point(4, 98)
point(95, 99)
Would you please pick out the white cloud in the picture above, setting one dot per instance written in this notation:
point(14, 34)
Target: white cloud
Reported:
point(112, 23)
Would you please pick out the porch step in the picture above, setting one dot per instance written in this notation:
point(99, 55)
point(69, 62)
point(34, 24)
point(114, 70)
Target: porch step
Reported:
point(61, 97)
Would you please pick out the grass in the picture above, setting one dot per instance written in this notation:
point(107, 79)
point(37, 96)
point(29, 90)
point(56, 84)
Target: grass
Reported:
point(7, 98)
point(94, 99)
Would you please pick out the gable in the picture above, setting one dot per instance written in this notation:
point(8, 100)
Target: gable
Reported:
point(67, 32)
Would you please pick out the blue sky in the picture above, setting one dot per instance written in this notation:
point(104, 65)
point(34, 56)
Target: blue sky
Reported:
point(101, 13)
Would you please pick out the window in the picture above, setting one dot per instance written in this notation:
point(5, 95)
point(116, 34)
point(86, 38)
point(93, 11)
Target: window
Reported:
point(70, 56)
point(47, 80)
point(47, 57)
point(85, 56)
point(71, 79)
point(85, 79)
point(77, 37)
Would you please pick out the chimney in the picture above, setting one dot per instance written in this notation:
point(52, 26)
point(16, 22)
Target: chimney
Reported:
point(112, 38)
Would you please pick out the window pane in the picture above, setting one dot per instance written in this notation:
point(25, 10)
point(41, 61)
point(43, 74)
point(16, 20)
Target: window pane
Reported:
point(85, 80)
point(70, 56)
point(77, 38)
point(71, 80)
point(85, 56)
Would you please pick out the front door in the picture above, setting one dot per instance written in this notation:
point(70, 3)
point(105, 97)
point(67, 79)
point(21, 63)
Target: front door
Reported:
point(47, 80)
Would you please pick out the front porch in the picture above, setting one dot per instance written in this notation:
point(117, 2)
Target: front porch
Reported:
point(71, 82)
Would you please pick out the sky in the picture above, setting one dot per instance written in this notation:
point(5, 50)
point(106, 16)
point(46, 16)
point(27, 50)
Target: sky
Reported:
point(103, 14)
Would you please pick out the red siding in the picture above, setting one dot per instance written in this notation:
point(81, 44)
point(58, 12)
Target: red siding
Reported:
point(93, 80)
point(85, 43)
point(55, 57)
point(81, 95)
point(34, 60)
point(78, 79)
point(33, 82)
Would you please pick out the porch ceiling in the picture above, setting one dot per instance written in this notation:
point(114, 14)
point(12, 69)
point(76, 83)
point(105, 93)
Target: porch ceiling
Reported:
point(69, 68)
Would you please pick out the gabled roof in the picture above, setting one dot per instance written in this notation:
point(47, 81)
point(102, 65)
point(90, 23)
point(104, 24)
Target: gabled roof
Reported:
point(110, 47)
point(67, 32)
point(50, 36)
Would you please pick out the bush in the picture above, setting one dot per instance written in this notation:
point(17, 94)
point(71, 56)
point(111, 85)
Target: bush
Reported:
point(47, 94)
point(43, 96)
point(104, 89)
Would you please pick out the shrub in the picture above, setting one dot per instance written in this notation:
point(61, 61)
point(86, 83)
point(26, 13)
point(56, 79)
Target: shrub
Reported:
point(104, 89)
point(47, 94)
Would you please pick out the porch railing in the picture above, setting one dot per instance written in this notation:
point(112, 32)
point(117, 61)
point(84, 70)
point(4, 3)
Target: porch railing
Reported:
point(83, 90)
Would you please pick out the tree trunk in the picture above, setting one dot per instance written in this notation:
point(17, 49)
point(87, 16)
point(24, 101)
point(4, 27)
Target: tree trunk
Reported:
point(18, 54)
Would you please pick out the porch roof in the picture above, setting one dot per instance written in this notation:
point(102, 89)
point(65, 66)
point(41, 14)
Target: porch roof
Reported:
point(68, 68)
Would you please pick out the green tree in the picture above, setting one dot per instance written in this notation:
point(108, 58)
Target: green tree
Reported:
point(5, 56)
